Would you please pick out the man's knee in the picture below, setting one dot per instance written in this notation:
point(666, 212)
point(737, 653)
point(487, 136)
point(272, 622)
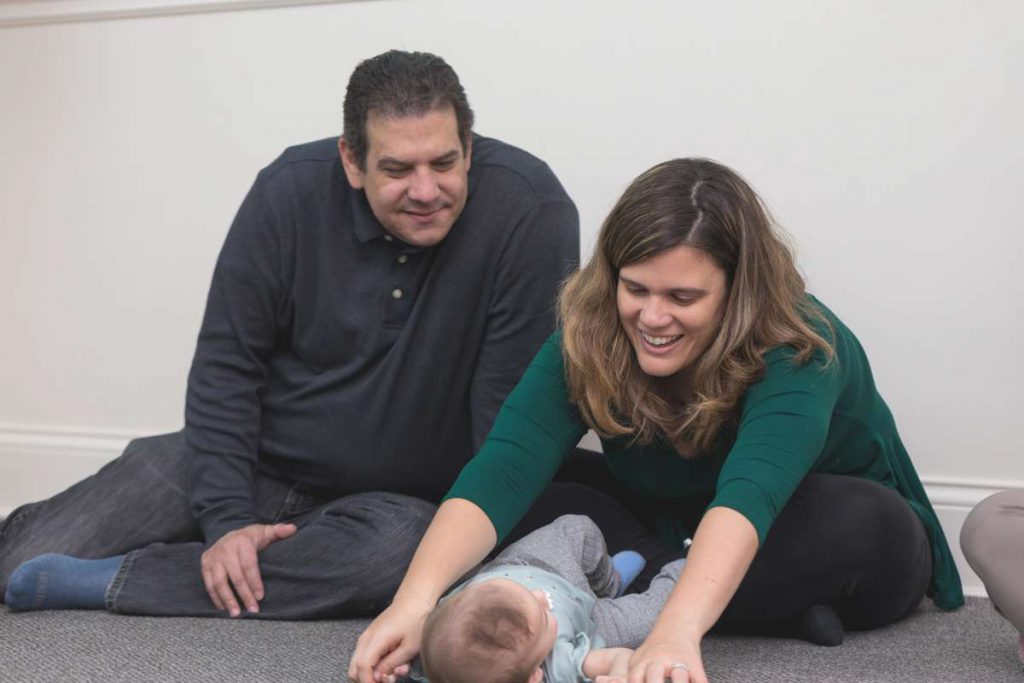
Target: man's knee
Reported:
point(381, 517)
point(381, 502)
point(159, 447)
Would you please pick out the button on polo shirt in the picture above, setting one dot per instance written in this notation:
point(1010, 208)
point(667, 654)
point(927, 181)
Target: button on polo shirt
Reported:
point(406, 273)
point(398, 274)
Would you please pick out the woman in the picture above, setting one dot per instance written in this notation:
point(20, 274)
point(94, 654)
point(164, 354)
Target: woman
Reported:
point(690, 346)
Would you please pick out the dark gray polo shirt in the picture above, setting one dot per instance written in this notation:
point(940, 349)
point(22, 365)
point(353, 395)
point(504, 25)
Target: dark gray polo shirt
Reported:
point(339, 358)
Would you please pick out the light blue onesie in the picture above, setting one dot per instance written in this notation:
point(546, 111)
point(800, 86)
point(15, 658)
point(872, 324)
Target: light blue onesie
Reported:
point(567, 559)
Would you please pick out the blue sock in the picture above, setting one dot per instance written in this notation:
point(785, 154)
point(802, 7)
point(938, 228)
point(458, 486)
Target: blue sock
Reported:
point(628, 564)
point(61, 582)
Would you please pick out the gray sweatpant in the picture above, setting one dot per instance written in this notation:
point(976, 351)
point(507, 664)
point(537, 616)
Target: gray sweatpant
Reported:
point(573, 547)
point(992, 539)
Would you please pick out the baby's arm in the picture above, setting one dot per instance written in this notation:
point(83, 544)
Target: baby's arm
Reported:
point(609, 662)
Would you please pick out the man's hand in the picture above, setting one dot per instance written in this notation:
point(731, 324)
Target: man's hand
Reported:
point(232, 562)
point(389, 643)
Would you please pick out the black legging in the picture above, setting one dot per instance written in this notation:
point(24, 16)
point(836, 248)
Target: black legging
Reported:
point(841, 541)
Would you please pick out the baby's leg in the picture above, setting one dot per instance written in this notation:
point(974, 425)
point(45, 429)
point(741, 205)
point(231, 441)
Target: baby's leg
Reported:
point(626, 621)
point(572, 547)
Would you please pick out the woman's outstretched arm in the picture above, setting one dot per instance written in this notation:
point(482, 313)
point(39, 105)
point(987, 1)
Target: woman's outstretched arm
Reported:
point(459, 538)
point(723, 548)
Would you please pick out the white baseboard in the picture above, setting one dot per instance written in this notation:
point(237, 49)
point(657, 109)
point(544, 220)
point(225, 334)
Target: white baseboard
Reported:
point(37, 462)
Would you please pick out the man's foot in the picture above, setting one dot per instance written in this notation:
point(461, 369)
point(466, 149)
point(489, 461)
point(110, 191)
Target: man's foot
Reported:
point(61, 582)
point(819, 624)
point(628, 564)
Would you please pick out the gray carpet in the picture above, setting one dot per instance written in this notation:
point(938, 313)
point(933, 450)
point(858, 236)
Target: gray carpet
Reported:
point(973, 644)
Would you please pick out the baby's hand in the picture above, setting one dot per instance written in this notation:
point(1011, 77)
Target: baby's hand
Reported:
point(613, 664)
point(398, 674)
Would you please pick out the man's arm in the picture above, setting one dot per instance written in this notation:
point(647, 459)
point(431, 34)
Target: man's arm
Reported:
point(540, 254)
point(229, 370)
point(222, 410)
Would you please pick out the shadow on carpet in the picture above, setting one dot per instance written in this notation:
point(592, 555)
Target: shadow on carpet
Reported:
point(973, 644)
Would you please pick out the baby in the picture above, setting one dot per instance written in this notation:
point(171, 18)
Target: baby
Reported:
point(543, 610)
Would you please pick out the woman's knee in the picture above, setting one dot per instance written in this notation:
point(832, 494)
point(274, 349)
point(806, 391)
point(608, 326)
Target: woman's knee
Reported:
point(862, 513)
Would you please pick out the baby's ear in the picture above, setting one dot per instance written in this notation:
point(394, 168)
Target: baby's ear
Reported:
point(537, 676)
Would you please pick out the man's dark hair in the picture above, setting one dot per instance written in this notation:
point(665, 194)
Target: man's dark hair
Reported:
point(399, 83)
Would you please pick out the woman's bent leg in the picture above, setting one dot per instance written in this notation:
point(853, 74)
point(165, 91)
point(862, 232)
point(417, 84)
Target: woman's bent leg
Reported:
point(842, 542)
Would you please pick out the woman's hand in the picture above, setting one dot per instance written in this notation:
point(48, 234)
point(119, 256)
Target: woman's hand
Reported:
point(390, 642)
point(458, 538)
point(656, 661)
point(723, 548)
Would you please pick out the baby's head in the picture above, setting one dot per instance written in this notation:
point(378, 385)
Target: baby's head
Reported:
point(495, 630)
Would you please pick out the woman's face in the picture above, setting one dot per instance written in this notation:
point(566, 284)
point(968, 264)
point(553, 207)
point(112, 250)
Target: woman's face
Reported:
point(671, 307)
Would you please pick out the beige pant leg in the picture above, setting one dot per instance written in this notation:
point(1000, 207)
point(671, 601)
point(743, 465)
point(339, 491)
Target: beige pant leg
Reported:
point(992, 539)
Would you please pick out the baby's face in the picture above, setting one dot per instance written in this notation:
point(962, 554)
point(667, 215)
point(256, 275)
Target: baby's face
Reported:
point(536, 608)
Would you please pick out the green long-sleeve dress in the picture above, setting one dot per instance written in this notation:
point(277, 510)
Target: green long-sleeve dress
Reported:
point(796, 419)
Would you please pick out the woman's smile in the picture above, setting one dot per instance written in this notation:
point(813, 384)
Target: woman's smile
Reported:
point(670, 306)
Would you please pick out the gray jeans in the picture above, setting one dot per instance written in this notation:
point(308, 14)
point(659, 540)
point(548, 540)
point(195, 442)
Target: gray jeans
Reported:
point(572, 547)
point(346, 560)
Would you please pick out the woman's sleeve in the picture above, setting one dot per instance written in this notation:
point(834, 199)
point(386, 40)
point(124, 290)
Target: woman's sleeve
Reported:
point(783, 428)
point(535, 431)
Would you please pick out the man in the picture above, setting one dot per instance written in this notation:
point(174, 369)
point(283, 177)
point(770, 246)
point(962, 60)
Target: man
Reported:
point(376, 298)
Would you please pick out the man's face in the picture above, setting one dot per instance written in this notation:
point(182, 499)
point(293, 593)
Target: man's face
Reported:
point(416, 174)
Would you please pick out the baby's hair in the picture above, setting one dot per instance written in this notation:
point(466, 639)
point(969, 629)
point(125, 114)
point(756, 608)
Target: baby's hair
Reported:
point(477, 635)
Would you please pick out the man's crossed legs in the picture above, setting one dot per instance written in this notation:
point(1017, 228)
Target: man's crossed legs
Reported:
point(347, 558)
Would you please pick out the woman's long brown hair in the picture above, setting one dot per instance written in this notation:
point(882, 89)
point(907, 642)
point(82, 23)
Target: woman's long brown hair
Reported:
point(707, 206)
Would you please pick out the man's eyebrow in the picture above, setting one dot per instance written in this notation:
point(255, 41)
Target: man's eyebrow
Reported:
point(391, 161)
point(450, 155)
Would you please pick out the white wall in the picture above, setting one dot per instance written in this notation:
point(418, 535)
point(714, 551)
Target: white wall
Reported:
point(885, 136)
